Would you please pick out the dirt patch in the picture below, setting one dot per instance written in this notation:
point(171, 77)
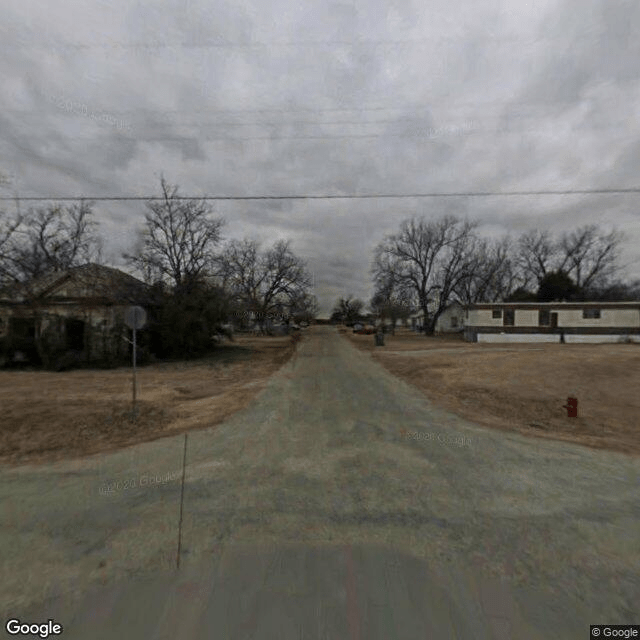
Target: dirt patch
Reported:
point(48, 416)
point(523, 387)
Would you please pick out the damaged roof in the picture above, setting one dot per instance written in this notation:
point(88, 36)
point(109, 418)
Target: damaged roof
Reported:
point(88, 281)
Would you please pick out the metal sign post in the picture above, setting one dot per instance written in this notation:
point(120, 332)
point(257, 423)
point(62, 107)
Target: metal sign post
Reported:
point(135, 384)
point(135, 318)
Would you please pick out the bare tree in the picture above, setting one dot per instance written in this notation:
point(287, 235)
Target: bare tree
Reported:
point(267, 284)
point(178, 241)
point(348, 310)
point(303, 307)
point(616, 291)
point(538, 255)
point(392, 299)
point(393, 307)
point(590, 256)
point(428, 257)
point(493, 274)
point(47, 240)
point(8, 228)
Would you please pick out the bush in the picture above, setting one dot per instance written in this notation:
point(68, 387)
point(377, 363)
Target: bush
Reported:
point(186, 322)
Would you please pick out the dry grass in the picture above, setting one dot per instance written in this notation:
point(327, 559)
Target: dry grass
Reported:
point(523, 387)
point(48, 416)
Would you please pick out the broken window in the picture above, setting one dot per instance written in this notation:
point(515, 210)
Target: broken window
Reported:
point(509, 317)
point(497, 313)
point(591, 313)
point(544, 318)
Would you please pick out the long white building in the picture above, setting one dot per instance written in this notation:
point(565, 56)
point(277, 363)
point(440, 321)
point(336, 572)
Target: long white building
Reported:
point(553, 322)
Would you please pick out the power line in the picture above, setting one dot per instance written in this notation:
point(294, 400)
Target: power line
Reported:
point(460, 194)
point(276, 123)
point(194, 136)
point(431, 133)
point(467, 124)
point(268, 44)
point(407, 107)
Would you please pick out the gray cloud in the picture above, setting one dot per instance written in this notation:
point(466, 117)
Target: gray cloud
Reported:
point(252, 97)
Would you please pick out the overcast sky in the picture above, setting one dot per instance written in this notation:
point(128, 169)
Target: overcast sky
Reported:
point(277, 97)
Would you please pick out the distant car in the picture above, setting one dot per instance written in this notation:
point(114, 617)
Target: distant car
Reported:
point(366, 330)
point(304, 324)
point(357, 327)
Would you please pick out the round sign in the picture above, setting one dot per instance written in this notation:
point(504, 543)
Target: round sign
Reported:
point(135, 317)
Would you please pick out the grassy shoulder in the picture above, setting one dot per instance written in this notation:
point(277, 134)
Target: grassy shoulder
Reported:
point(48, 416)
point(523, 387)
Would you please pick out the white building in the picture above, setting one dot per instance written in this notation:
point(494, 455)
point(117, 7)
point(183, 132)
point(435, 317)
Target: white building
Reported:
point(451, 320)
point(553, 322)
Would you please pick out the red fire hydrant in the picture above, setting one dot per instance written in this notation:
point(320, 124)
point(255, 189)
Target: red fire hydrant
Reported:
point(571, 407)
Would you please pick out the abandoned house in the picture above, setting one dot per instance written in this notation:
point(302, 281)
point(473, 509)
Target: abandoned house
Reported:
point(553, 322)
point(70, 316)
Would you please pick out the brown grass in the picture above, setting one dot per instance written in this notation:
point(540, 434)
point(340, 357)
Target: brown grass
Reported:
point(523, 387)
point(48, 416)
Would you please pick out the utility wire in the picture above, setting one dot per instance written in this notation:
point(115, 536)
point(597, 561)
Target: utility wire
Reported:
point(459, 194)
point(409, 106)
point(267, 44)
point(426, 133)
point(461, 124)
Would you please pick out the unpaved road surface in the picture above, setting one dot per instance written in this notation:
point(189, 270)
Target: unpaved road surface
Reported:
point(339, 504)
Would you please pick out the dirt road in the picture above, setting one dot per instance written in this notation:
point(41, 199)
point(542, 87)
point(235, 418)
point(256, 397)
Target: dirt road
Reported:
point(339, 504)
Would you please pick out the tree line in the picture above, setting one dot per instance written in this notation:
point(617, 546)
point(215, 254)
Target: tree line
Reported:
point(199, 282)
point(427, 264)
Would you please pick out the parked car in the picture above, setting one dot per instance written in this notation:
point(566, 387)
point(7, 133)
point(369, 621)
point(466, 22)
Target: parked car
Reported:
point(357, 327)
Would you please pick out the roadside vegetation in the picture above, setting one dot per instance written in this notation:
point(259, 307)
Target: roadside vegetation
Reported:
point(196, 287)
point(49, 416)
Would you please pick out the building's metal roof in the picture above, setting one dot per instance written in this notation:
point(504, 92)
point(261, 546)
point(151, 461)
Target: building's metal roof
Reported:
point(556, 305)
